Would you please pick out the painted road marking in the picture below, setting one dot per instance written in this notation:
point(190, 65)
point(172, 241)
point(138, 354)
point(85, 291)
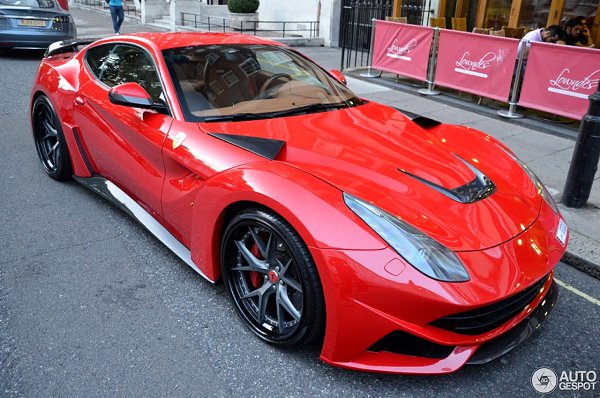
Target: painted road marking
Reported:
point(578, 292)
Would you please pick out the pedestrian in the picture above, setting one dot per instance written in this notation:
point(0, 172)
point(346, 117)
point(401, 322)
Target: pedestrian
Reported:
point(117, 14)
point(578, 33)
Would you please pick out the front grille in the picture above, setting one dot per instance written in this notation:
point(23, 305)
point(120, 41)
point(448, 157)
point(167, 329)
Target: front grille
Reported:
point(482, 320)
point(403, 343)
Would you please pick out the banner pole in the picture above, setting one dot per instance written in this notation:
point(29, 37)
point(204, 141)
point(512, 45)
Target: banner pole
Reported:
point(369, 73)
point(512, 104)
point(429, 90)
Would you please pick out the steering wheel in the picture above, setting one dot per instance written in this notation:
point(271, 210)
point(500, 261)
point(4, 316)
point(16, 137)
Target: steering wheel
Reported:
point(271, 79)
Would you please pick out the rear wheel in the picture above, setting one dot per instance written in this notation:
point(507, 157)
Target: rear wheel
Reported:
point(269, 273)
point(50, 140)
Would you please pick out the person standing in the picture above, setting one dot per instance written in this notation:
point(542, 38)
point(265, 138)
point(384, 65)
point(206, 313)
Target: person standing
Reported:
point(117, 14)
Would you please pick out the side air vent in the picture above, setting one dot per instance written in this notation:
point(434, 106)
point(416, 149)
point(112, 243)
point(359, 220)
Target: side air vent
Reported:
point(399, 342)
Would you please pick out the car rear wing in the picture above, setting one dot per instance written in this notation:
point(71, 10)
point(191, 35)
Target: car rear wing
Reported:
point(67, 46)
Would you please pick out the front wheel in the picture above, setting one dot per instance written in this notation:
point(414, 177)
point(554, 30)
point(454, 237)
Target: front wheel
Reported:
point(274, 283)
point(49, 140)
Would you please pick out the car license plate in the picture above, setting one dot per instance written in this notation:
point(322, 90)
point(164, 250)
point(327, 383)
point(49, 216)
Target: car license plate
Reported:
point(32, 22)
point(561, 232)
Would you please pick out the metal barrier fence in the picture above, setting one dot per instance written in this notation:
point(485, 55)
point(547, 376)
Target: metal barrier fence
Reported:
point(129, 9)
point(484, 66)
point(271, 28)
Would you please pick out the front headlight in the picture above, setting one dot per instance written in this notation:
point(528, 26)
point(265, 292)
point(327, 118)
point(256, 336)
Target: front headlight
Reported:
point(539, 185)
point(422, 252)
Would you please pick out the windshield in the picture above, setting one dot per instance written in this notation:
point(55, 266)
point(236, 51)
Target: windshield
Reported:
point(28, 3)
point(218, 82)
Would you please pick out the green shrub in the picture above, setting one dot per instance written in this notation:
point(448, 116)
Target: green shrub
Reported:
point(243, 6)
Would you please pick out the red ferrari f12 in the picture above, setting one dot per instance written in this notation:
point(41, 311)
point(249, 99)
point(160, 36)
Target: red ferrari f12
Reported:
point(401, 244)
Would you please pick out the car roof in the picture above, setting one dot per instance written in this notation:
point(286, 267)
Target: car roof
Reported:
point(167, 40)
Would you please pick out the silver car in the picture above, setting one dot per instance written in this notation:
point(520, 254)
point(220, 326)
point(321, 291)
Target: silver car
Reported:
point(33, 23)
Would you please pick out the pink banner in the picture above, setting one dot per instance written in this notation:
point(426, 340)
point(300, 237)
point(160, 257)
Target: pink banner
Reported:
point(402, 49)
point(559, 79)
point(475, 63)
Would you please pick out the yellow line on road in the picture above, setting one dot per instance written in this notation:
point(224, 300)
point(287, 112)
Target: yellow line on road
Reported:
point(578, 292)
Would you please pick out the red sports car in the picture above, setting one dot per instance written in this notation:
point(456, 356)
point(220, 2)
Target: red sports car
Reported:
point(401, 244)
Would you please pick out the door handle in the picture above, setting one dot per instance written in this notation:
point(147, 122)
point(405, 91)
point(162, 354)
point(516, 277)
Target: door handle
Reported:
point(79, 100)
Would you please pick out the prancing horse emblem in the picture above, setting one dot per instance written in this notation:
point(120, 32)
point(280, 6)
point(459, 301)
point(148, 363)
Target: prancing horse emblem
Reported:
point(178, 140)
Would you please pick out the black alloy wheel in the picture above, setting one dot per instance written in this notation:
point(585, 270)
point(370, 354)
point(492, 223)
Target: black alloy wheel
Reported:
point(50, 140)
point(272, 278)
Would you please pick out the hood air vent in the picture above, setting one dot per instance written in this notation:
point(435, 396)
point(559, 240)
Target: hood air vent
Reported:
point(480, 188)
point(264, 147)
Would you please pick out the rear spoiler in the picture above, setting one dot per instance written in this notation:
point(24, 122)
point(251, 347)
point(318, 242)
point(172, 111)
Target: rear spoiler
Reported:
point(67, 46)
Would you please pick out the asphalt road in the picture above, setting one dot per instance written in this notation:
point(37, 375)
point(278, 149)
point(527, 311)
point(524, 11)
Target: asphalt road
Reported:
point(91, 305)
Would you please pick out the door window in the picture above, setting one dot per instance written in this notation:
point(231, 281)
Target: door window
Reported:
point(115, 64)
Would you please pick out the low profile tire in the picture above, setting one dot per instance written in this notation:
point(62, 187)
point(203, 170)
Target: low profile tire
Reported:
point(272, 278)
point(49, 140)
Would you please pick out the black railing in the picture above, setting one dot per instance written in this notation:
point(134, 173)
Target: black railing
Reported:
point(355, 30)
point(129, 9)
point(262, 28)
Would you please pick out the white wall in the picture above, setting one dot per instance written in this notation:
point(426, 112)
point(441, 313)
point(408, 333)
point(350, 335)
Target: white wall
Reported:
point(302, 10)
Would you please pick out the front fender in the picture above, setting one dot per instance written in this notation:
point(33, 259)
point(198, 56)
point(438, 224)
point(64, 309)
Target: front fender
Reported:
point(315, 209)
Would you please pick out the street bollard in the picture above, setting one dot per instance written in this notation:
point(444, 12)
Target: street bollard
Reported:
point(585, 157)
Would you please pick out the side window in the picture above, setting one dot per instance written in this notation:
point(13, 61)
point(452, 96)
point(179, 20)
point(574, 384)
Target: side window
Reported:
point(96, 57)
point(118, 64)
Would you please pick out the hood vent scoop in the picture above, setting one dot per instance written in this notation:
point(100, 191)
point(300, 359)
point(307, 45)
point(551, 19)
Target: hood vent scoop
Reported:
point(480, 188)
point(421, 121)
point(264, 147)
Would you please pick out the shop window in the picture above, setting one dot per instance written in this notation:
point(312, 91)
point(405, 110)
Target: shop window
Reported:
point(534, 13)
point(497, 13)
point(574, 8)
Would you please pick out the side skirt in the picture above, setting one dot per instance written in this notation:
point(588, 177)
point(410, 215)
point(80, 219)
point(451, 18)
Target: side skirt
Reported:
point(116, 196)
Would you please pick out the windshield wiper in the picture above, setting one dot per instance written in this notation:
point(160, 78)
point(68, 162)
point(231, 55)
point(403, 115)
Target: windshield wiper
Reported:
point(318, 107)
point(237, 117)
point(301, 110)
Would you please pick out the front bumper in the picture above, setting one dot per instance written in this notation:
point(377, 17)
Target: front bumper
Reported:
point(378, 305)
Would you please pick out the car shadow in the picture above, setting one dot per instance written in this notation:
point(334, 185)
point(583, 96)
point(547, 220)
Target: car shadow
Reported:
point(23, 54)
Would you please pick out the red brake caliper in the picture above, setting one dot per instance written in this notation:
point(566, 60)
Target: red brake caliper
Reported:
point(255, 277)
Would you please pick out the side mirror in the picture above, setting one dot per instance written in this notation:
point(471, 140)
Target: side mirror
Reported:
point(134, 95)
point(339, 76)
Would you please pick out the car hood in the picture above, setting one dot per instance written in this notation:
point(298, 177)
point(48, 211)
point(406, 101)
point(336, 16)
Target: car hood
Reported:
point(378, 154)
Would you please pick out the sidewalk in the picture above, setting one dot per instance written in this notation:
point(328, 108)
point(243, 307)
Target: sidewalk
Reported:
point(543, 147)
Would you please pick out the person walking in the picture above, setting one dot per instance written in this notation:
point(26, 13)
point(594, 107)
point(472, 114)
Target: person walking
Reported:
point(117, 14)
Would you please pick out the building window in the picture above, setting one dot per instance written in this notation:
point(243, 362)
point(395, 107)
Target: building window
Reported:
point(497, 13)
point(534, 13)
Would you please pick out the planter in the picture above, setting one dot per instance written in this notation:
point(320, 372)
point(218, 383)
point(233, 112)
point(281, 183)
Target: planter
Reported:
point(245, 21)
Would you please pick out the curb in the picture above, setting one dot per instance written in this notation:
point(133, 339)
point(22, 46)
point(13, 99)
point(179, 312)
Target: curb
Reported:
point(581, 264)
